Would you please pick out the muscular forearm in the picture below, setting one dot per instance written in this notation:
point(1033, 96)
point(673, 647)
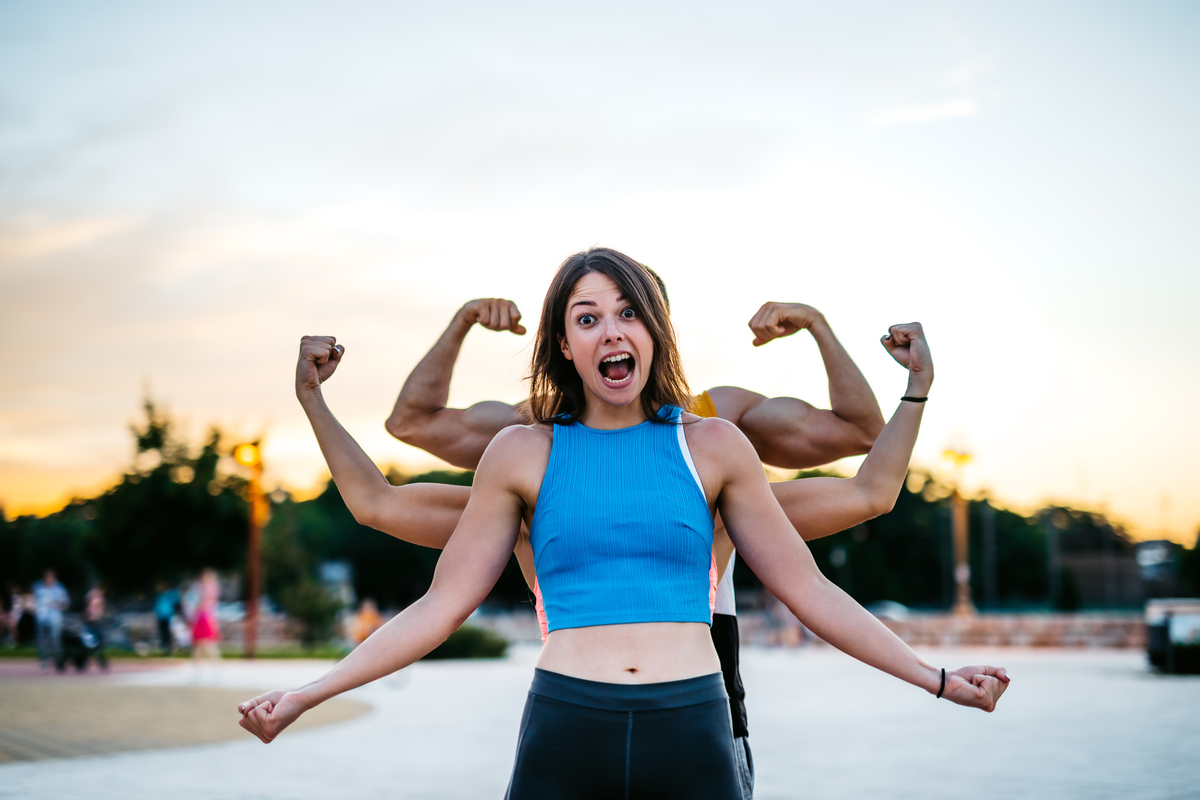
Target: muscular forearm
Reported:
point(427, 389)
point(850, 396)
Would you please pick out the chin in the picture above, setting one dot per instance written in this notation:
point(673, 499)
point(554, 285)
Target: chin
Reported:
point(621, 396)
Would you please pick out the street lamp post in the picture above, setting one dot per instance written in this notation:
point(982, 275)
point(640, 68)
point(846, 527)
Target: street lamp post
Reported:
point(250, 456)
point(963, 606)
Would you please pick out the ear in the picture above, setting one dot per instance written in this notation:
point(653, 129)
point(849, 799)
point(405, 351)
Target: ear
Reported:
point(564, 347)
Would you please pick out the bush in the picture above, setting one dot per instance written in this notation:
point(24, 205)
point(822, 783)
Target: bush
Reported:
point(314, 608)
point(470, 642)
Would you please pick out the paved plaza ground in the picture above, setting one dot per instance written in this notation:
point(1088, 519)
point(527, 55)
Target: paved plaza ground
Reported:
point(1075, 724)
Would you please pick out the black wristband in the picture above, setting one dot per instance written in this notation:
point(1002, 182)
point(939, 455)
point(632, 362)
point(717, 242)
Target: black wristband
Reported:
point(942, 688)
point(914, 399)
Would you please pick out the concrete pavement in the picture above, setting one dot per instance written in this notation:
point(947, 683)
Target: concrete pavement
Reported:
point(1075, 724)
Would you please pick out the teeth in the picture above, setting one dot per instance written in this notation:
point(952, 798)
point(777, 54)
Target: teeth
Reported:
point(621, 357)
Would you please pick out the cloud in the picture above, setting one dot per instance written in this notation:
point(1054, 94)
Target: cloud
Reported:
point(969, 70)
point(35, 236)
point(911, 115)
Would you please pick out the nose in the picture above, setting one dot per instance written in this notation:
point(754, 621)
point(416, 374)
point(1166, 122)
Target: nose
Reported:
point(612, 332)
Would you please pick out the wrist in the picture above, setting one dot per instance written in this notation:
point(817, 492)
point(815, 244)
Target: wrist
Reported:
point(819, 326)
point(463, 320)
point(310, 397)
point(918, 386)
point(308, 696)
point(931, 679)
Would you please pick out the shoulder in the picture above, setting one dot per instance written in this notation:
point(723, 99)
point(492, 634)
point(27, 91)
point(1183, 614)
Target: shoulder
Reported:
point(711, 431)
point(520, 441)
point(719, 447)
point(517, 456)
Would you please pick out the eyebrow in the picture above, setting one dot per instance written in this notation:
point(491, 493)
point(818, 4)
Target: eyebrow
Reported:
point(590, 302)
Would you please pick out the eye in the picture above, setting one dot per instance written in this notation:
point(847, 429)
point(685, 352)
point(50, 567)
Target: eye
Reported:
point(586, 319)
point(628, 313)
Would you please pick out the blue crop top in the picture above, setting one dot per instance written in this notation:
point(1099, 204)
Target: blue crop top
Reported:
point(622, 532)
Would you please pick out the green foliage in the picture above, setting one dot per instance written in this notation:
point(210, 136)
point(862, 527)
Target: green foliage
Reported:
point(311, 604)
point(392, 572)
point(1069, 598)
point(907, 555)
point(471, 642)
point(450, 477)
point(171, 515)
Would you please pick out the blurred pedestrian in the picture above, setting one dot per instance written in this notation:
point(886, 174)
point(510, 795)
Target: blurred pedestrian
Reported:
point(93, 614)
point(50, 601)
point(206, 632)
point(25, 612)
point(366, 622)
point(166, 606)
point(12, 615)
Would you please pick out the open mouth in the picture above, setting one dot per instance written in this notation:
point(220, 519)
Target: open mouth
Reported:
point(617, 369)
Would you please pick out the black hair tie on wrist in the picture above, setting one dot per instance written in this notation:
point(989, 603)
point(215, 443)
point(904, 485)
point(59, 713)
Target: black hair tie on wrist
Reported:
point(914, 399)
point(942, 688)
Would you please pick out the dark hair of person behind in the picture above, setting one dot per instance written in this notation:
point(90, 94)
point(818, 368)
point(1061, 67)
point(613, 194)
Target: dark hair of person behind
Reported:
point(555, 388)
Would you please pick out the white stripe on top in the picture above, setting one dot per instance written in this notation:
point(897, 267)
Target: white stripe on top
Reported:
point(726, 603)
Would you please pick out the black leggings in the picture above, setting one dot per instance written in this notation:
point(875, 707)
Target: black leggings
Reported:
point(610, 741)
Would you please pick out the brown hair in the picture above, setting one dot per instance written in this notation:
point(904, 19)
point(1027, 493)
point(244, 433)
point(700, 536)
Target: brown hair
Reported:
point(555, 388)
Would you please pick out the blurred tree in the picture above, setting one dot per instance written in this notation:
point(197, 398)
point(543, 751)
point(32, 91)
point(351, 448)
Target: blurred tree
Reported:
point(905, 555)
point(391, 572)
point(171, 515)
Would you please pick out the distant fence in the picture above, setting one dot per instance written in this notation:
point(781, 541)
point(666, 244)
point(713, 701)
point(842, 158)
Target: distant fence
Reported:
point(1119, 630)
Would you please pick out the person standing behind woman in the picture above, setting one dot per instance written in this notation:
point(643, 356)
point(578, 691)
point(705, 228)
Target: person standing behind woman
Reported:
point(615, 484)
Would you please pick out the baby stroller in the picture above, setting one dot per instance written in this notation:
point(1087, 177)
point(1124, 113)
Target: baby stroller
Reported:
point(81, 643)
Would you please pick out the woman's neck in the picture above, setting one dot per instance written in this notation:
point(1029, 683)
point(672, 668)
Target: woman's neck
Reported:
point(608, 417)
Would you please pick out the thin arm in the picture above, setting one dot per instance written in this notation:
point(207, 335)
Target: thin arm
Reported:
point(769, 545)
point(822, 506)
point(472, 562)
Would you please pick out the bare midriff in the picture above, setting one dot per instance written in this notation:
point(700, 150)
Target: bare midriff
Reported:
point(644, 652)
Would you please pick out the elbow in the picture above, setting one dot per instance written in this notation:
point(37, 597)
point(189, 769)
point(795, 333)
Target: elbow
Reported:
point(876, 497)
point(405, 426)
point(881, 503)
point(399, 427)
point(364, 513)
point(867, 436)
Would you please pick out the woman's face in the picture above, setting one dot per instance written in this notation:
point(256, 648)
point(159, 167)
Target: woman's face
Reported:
point(606, 340)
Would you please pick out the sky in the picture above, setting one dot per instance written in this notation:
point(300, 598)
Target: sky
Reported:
point(185, 190)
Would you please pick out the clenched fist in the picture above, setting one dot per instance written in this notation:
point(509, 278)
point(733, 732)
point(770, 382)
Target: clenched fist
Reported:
point(776, 320)
point(267, 715)
point(976, 686)
point(319, 357)
point(907, 345)
point(493, 313)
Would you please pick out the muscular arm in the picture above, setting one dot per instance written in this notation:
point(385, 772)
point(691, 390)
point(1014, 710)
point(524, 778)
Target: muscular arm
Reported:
point(788, 432)
point(420, 417)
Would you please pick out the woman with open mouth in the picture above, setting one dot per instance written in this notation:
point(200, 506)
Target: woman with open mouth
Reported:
point(619, 488)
